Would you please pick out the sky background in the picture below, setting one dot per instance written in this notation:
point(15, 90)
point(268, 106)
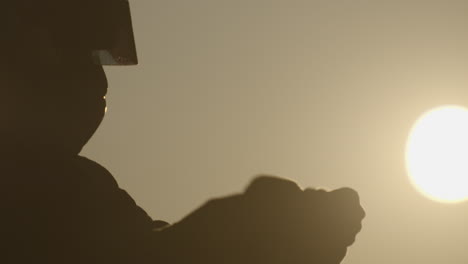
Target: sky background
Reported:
point(320, 92)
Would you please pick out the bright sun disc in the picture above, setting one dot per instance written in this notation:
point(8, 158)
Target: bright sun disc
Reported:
point(437, 154)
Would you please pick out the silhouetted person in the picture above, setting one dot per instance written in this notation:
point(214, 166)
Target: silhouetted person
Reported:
point(58, 207)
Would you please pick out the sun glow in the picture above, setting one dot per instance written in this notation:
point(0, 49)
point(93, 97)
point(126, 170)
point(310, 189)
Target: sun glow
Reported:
point(437, 154)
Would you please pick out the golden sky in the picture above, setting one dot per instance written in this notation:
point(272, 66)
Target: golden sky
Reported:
point(321, 92)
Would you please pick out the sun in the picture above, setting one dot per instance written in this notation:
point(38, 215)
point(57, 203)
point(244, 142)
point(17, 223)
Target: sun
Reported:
point(437, 154)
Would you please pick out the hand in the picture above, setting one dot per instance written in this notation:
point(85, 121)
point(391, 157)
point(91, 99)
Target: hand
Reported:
point(273, 221)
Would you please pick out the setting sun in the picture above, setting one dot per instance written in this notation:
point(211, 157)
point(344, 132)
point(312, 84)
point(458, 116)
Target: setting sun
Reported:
point(437, 154)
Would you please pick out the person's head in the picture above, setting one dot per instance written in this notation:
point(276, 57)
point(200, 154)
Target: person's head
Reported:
point(52, 84)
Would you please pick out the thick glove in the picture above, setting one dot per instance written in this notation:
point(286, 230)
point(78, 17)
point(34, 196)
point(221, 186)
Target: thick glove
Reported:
point(273, 221)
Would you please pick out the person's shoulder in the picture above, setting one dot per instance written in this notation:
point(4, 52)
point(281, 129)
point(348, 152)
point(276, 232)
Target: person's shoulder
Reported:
point(95, 172)
point(106, 192)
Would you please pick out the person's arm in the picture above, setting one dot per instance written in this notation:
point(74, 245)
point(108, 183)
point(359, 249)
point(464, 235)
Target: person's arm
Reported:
point(273, 221)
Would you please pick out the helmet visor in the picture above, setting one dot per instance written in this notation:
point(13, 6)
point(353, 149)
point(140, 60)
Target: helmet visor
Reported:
point(112, 38)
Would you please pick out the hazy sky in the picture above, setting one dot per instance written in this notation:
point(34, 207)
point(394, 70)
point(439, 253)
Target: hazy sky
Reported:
point(321, 92)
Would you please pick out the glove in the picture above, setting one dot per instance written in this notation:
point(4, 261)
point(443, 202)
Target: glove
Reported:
point(273, 221)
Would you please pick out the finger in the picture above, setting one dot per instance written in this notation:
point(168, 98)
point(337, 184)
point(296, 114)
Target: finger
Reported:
point(338, 212)
point(348, 200)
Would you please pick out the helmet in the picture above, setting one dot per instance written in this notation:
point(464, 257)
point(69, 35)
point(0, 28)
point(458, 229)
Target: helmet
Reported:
point(52, 84)
point(104, 27)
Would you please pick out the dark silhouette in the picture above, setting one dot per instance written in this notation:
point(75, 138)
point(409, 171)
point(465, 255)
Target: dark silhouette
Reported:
point(273, 221)
point(59, 207)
